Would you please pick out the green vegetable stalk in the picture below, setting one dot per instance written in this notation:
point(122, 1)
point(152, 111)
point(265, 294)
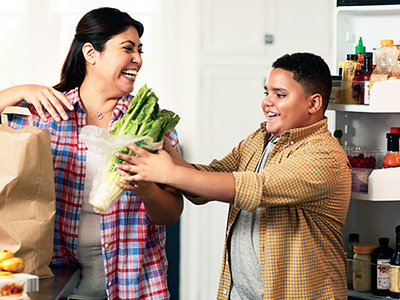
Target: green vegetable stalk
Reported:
point(143, 118)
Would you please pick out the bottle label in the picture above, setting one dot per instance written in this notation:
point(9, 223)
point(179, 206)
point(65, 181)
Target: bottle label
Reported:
point(394, 277)
point(359, 269)
point(382, 274)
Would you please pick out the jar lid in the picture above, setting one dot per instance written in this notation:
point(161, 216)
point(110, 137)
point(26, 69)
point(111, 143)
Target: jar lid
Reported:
point(352, 57)
point(364, 248)
point(354, 237)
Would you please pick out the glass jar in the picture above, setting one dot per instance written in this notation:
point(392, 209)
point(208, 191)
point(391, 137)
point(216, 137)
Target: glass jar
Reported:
point(362, 267)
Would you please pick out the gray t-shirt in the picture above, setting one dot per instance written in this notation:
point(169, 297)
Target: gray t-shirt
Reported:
point(93, 283)
point(245, 265)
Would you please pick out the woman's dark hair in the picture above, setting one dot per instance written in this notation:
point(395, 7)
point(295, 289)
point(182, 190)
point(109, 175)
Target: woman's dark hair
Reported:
point(95, 27)
point(311, 71)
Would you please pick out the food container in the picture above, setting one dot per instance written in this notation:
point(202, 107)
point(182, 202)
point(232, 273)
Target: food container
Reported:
point(363, 161)
point(15, 286)
point(362, 267)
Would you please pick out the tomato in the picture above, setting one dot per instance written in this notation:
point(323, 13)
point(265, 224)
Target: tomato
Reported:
point(362, 161)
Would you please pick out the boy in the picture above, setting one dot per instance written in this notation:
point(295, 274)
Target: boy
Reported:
point(288, 185)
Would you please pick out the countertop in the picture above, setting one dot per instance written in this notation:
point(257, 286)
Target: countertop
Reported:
point(60, 286)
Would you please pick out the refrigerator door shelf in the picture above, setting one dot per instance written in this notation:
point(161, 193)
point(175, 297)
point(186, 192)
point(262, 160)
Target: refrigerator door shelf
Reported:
point(384, 98)
point(383, 185)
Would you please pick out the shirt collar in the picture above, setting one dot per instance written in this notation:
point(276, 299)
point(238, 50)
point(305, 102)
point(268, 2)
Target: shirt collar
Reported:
point(297, 134)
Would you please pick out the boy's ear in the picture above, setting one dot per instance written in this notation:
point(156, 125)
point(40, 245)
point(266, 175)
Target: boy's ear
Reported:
point(316, 103)
point(89, 53)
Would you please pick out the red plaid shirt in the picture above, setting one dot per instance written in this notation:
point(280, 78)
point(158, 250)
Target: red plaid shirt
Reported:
point(133, 248)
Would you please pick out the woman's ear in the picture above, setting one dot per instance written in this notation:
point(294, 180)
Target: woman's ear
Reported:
point(316, 103)
point(89, 53)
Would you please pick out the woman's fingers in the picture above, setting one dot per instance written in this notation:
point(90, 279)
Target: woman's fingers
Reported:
point(48, 100)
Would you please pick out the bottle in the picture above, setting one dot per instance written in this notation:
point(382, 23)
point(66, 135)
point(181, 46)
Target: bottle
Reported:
point(362, 267)
point(341, 64)
point(353, 240)
point(334, 97)
point(392, 156)
point(360, 50)
point(349, 70)
point(361, 80)
point(386, 62)
point(356, 86)
point(397, 46)
point(394, 271)
point(338, 134)
point(380, 259)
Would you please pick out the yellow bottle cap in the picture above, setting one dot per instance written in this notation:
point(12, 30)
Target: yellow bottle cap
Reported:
point(387, 42)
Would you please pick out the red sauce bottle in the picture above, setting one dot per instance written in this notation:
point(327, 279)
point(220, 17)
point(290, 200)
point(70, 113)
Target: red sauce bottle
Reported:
point(392, 157)
point(360, 87)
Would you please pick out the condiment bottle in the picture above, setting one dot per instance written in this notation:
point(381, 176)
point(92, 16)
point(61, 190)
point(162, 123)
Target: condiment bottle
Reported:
point(397, 46)
point(338, 134)
point(392, 156)
point(349, 70)
point(353, 240)
point(360, 50)
point(380, 259)
point(386, 62)
point(341, 64)
point(361, 81)
point(362, 267)
point(394, 271)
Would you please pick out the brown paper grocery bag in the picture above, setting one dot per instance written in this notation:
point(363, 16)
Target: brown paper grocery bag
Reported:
point(27, 194)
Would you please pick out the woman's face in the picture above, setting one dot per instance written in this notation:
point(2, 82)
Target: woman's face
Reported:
point(117, 66)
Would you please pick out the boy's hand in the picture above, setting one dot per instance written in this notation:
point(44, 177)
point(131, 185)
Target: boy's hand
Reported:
point(146, 166)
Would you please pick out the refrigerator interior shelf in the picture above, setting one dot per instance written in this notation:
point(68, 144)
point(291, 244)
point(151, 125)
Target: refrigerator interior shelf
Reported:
point(383, 185)
point(365, 296)
point(384, 98)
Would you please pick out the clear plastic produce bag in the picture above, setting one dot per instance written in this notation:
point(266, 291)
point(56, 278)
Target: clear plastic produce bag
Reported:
point(104, 191)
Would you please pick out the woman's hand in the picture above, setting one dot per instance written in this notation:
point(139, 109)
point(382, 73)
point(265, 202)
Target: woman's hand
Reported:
point(46, 99)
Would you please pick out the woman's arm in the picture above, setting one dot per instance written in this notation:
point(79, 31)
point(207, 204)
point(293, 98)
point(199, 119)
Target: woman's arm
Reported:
point(41, 97)
point(163, 204)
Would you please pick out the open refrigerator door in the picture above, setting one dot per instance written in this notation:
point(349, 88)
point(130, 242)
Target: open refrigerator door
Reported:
point(374, 210)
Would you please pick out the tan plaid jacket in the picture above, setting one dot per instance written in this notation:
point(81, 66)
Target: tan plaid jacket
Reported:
point(304, 192)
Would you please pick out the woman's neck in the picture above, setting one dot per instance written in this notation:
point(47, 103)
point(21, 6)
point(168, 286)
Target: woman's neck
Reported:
point(98, 105)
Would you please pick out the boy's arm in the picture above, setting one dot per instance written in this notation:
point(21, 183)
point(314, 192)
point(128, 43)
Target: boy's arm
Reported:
point(162, 168)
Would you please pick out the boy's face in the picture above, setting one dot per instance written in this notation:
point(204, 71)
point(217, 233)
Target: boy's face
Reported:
point(285, 104)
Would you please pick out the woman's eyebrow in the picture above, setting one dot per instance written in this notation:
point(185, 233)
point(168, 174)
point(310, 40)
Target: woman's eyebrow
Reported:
point(130, 42)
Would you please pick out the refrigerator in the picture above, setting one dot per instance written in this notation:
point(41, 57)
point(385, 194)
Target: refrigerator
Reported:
point(375, 212)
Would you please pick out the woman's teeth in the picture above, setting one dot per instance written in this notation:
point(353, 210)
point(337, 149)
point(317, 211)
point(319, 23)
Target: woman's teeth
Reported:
point(270, 114)
point(129, 73)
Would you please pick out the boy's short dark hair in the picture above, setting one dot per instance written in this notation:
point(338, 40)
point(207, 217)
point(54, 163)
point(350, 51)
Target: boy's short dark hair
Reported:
point(311, 71)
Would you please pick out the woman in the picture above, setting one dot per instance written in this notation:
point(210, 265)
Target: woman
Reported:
point(122, 253)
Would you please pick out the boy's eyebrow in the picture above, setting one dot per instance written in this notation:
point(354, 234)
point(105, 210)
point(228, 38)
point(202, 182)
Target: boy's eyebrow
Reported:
point(276, 89)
